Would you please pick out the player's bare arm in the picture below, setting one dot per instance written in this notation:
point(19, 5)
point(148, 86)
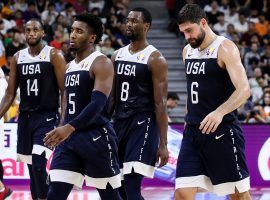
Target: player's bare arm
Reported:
point(229, 59)
point(11, 88)
point(59, 63)
point(159, 69)
point(112, 103)
point(103, 72)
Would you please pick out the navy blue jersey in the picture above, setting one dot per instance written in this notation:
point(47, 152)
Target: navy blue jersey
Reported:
point(79, 86)
point(37, 81)
point(133, 82)
point(208, 85)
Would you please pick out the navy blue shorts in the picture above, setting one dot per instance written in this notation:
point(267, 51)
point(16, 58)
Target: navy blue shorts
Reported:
point(138, 143)
point(215, 162)
point(90, 155)
point(32, 127)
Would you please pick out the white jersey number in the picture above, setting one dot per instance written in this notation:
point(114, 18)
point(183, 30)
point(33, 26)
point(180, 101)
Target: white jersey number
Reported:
point(32, 87)
point(194, 94)
point(71, 110)
point(124, 91)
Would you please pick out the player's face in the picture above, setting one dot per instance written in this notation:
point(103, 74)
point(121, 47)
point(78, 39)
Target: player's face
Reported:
point(80, 38)
point(193, 32)
point(33, 33)
point(135, 27)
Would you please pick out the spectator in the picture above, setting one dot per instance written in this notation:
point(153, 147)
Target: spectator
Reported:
point(256, 84)
point(241, 26)
point(30, 12)
point(16, 44)
point(20, 5)
point(250, 57)
point(221, 26)
point(57, 41)
point(265, 60)
point(48, 16)
point(266, 105)
point(106, 47)
point(172, 101)
point(232, 17)
point(213, 13)
point(262, 25)
point(68, 14)
point(66, 52)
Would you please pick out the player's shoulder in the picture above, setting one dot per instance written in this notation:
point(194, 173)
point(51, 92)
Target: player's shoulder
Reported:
point(227, 46)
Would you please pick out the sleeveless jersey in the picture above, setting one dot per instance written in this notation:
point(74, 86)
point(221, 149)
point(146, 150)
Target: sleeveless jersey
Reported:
point(133, 82)
point(208, 85)
point(37, 81)
point(79, 86)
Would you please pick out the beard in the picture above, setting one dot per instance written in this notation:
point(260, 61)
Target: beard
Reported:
point(33, 44)
point(131, 37)
point(196, 42)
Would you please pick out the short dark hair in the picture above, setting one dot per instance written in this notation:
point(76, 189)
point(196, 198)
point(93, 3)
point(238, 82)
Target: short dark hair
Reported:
point(173, 96)
point(191, 13)
point(147, 18)
point(94, 23)
point(37, 20)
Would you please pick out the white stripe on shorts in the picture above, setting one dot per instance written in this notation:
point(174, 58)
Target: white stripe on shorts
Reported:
point(140, 168)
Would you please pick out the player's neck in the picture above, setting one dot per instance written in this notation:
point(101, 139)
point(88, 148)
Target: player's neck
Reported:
point(35, 50)
point(209, 38)
point(80, 55)
point(136, 46)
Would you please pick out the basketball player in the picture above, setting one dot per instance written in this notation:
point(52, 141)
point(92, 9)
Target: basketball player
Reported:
point(88, 143)
point(140, 94)
point(212, 152)
point(39, 72)
point(4, 191)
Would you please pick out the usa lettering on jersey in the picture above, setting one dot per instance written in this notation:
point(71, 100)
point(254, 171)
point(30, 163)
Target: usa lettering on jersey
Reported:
point(126, 69)
point(31, 69)
point(195, 68)
point(72, 80)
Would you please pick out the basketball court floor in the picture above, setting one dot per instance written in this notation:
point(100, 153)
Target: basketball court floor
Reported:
point(149, 193)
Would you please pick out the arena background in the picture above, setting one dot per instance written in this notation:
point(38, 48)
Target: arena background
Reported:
point(245, 22)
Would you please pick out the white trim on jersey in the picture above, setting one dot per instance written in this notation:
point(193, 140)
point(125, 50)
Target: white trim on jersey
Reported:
point(204, 182)
point(138, 57)
point(85, 64)
point(140, 168)
point(39, 149)
point(24, 158)
point(101, 183)
point(74, 178)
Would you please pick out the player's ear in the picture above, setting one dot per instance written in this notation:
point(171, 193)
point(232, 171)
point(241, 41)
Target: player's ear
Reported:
point(146, 26)
point(92, 38)
point(203, 22)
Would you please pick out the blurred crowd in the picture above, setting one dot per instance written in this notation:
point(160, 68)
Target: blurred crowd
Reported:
point(246, 23)
point(57, 17)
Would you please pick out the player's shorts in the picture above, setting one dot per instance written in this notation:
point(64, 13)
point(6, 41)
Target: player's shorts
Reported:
point(90, 155)
point(138, 143)
point(215, 162)
point(32, 127)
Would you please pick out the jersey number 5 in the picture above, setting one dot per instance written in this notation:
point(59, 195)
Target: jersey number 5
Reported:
point(71, 103)
point(194, 94)
point(124, 91)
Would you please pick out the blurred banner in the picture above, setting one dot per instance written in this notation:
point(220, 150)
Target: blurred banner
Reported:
point(257, 151)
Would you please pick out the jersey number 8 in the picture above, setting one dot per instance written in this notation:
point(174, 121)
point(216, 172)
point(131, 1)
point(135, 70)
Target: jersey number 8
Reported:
point(124, 91)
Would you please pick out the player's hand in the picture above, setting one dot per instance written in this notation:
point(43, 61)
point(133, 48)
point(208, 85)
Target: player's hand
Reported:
point(162, 155)
point(211, 122)
point(58, 135)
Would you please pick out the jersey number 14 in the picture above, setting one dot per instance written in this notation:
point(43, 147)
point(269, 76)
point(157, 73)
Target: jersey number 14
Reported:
point(32, 87)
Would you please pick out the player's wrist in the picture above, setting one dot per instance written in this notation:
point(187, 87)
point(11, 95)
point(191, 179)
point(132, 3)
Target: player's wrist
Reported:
point(69, 128)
